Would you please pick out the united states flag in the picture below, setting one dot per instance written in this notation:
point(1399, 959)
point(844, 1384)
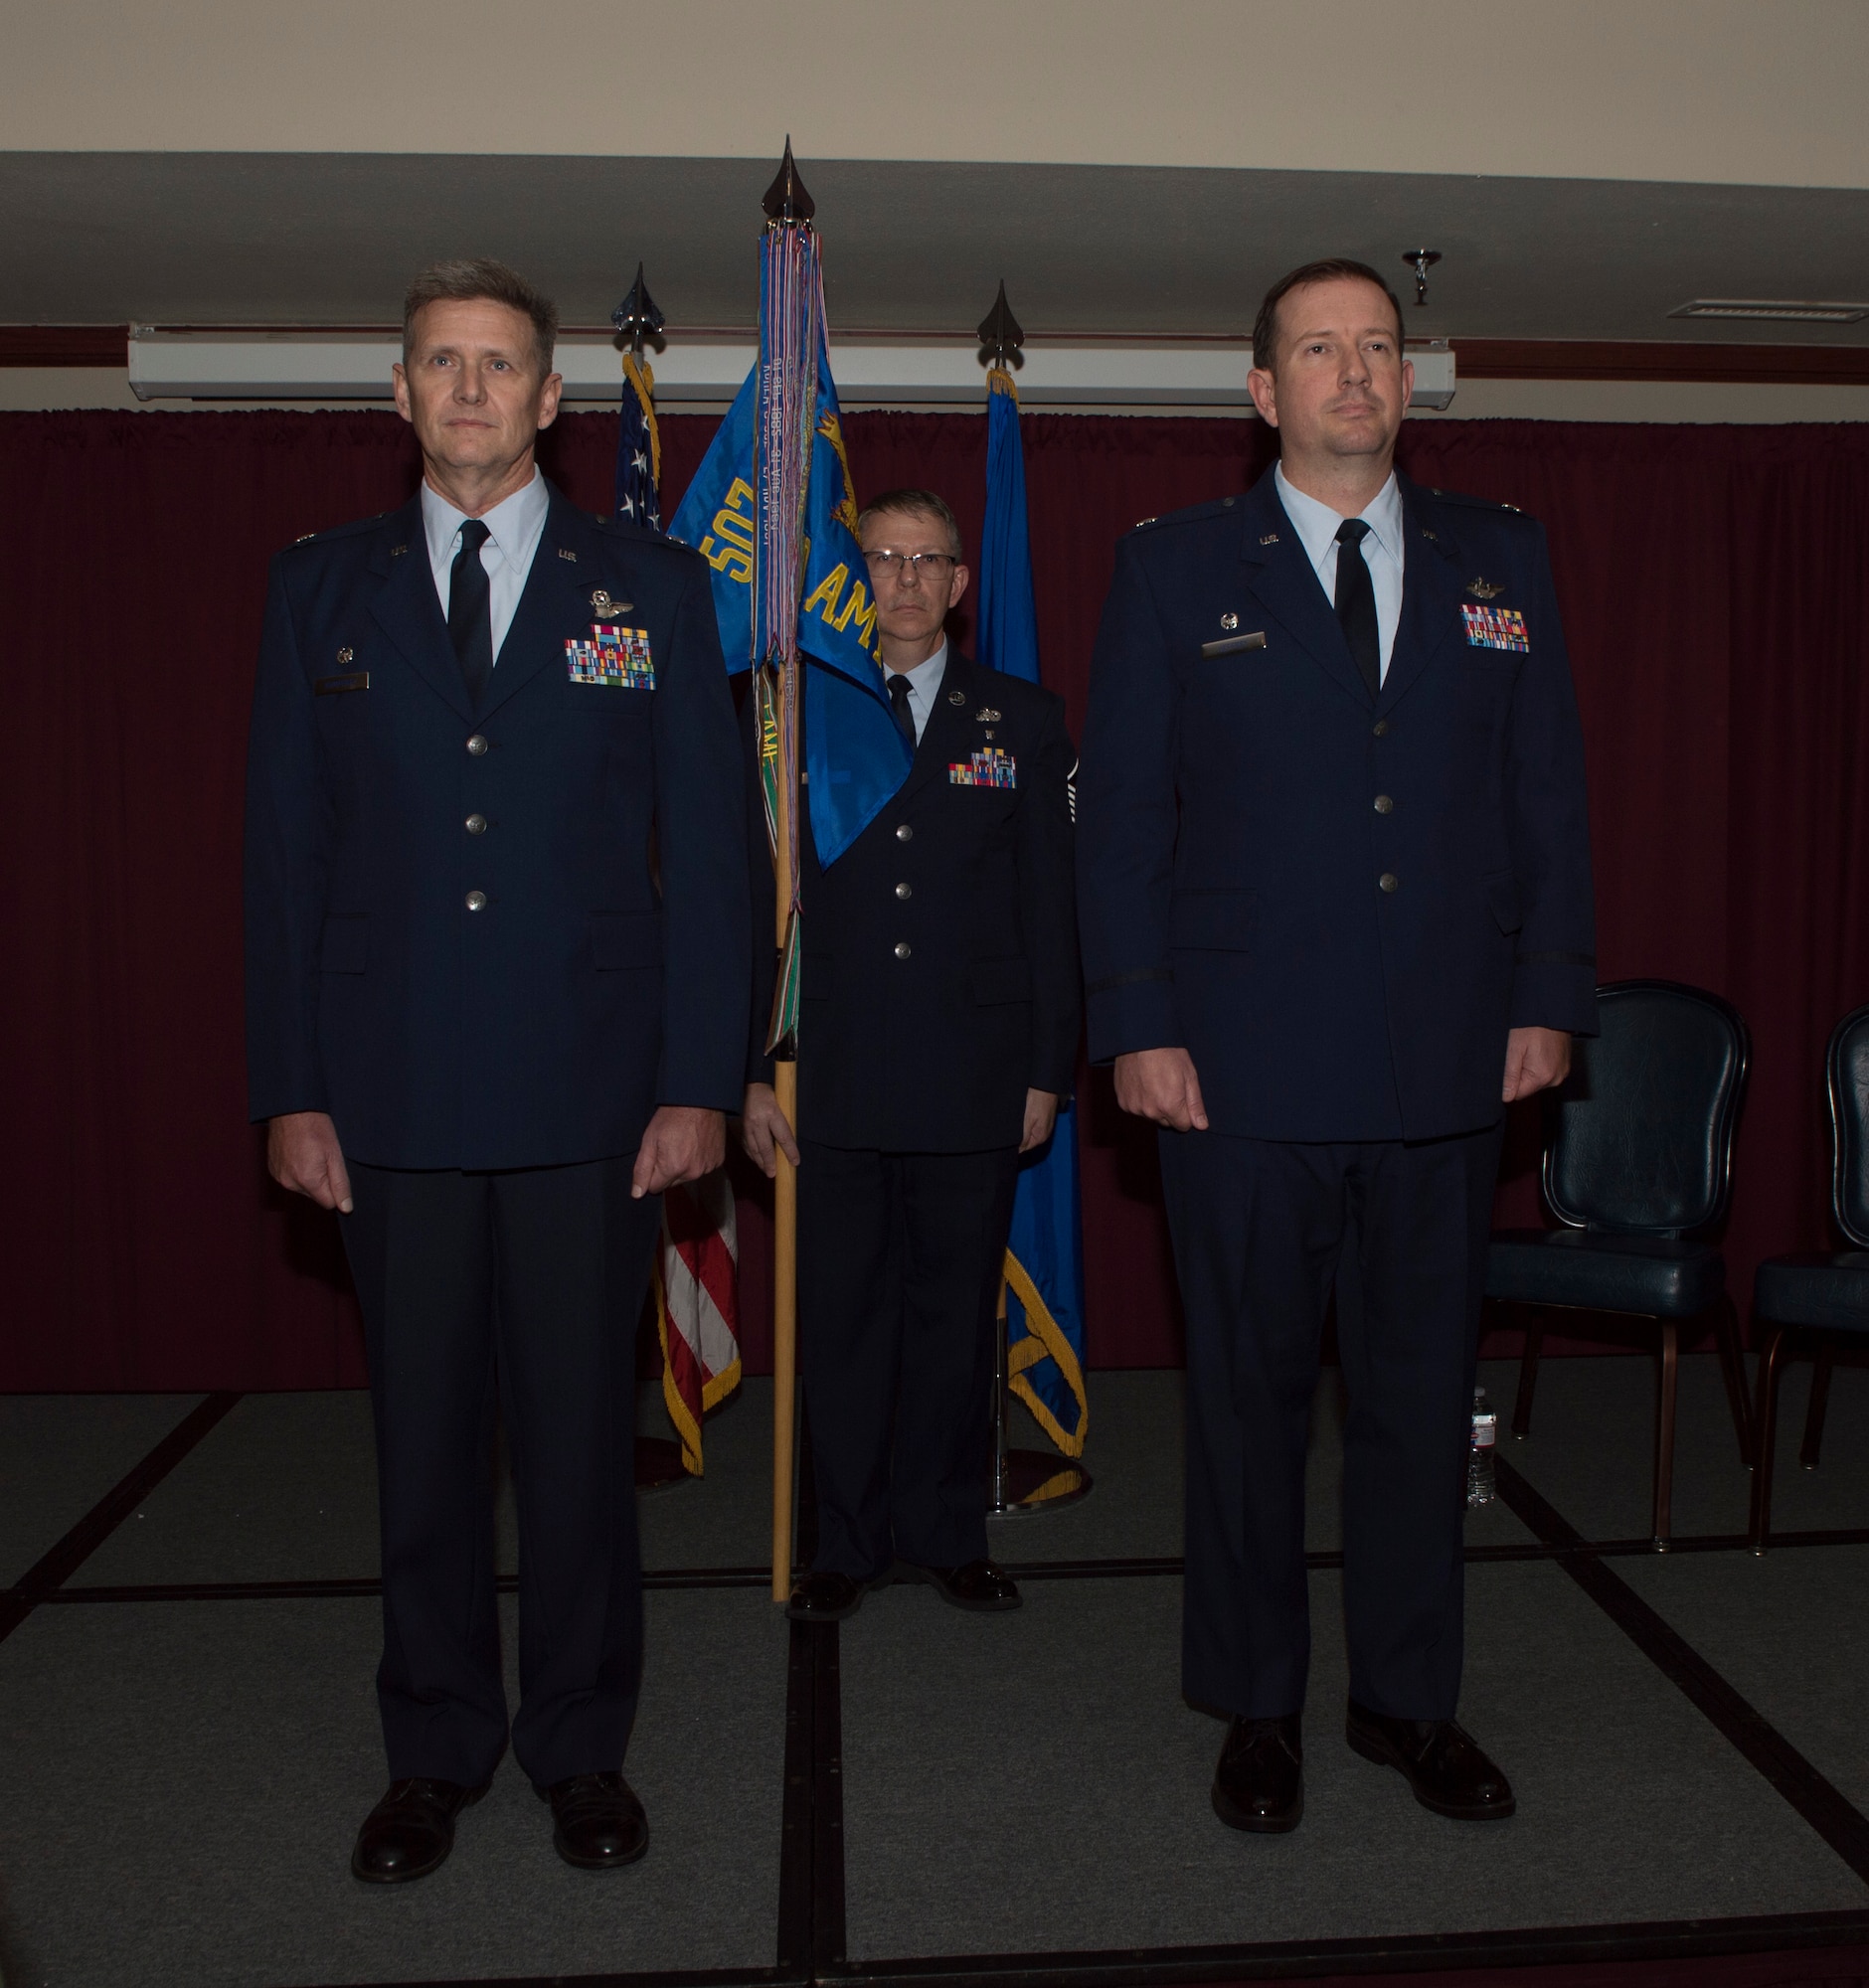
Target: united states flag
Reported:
point(638, 449)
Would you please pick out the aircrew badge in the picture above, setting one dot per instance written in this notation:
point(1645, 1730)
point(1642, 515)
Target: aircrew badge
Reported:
point(604, 609)
point(1485, 590)
point(618, 656)
point(993, 766)
point(1496, 628)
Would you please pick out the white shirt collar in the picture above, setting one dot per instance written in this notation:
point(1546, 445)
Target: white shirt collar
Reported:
point(925, 680)
point(1317, 524)
point(514, 525)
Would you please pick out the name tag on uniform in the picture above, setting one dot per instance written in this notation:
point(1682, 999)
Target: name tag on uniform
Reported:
point(1496, 628)
point(615, 656)
point(336, 686)
point(991, 766)
point(1233, 645)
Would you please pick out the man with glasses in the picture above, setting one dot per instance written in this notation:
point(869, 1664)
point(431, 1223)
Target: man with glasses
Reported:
point(939, 1028)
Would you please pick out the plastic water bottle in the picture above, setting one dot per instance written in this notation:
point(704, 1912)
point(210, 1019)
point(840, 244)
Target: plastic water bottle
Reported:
point(1479, 1473)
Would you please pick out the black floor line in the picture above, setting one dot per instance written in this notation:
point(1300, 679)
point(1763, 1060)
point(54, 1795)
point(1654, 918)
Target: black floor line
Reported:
point(1143, 1968)
point(1837, 1820)
point(41, 1581)
point(361, 1587)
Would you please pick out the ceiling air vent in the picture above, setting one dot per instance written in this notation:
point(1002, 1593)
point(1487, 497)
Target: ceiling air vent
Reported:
point(1775, 311)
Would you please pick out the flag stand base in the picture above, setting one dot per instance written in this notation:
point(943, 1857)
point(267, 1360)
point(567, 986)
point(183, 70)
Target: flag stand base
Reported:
point(658, 1463)
point(1033, 1480)
point(1025, 1480)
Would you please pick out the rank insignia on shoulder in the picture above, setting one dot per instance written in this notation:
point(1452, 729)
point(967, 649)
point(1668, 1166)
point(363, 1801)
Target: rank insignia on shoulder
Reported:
point(992, 766)
point(1496, 628)
point(606, 610)
point(618, 657)
point(1485, 590)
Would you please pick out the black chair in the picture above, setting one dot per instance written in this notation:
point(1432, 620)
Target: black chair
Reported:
point(1819, 1295)
point(1639, 1161)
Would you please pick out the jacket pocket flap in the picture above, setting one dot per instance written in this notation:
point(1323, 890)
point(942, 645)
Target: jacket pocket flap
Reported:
point(620, 941)
point(345, 946)
point(997, 980)
point(1214, 920)
point(1502, 895)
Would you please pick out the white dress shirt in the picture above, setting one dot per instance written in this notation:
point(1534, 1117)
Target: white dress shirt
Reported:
point(1317, 526)
point(925, 684)
point(515, 526)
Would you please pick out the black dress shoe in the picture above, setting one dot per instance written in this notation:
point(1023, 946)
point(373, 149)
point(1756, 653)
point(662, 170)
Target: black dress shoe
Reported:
point(410, 1831)
point(824, 1596)
point(598, 1822)
point(1258, 1784)
point(980, 1586)
point(1443, 1765)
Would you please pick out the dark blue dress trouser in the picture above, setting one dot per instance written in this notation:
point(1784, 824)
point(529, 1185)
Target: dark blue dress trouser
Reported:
point(898, 1262)
point(1259, 1226)
point(518, 1291)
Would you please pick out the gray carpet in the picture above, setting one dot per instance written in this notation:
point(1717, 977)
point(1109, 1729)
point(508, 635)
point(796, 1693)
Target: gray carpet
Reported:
point(216, 1758)
point(1591, 1447)
point(60, 1453)
point(1788, 1632)
point(1034, 1782)
point(285, 1489)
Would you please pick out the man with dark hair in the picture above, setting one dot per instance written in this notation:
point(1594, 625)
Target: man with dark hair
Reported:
point(940, 1027)
point(1335, 882)
point(496, 999)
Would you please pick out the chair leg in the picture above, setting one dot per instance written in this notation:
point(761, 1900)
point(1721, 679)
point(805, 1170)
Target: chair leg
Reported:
point(1732, 1372)
point(1765, 1428)
point(1528, 1373)
point(1819, 1406)
point(1664, 1435)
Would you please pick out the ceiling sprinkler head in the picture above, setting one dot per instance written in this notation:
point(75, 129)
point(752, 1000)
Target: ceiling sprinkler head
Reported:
point(1421, 261)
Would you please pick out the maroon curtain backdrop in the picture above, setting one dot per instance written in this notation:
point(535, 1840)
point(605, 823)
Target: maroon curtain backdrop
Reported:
point(1717, 603)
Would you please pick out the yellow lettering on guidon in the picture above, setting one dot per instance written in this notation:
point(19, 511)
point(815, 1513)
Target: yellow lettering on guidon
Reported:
point(736, 529)
point(825, 595)
point(861, 610)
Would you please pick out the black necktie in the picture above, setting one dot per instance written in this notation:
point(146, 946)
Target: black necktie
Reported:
point(898, 700)
point(1356, 602)
point(469, 611)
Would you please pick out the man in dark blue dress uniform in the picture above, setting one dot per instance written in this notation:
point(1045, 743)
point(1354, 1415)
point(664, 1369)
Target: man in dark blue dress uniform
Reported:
point(496, 1002)
point(1335, 897)
point(939, 1028)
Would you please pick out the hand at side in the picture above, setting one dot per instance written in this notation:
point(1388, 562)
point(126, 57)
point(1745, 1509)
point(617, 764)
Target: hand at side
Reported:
point(1161, 1085)
point(1535, 1060)
point(682, 1142)
point(303, 1153)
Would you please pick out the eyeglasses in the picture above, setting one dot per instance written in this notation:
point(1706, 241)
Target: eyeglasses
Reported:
point(887, 565)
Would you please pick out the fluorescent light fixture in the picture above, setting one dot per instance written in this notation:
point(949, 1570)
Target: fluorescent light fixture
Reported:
point(709, 370)
point(1772, 310)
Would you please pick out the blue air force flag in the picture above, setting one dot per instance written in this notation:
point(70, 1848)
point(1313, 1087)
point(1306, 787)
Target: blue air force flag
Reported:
point(1045, 1252)
point(855, 755)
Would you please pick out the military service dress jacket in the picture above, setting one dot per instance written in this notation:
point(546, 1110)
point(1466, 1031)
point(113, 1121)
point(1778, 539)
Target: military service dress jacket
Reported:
point(940, 950)
point(502, 936)
point(1338, 904)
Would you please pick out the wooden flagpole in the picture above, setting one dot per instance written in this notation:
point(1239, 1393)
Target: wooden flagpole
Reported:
point(786, 205)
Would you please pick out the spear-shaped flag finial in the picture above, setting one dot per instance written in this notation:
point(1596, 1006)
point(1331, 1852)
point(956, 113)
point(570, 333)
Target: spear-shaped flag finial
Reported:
point(1001, 334)
point(786, 202)
point(636, 318)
